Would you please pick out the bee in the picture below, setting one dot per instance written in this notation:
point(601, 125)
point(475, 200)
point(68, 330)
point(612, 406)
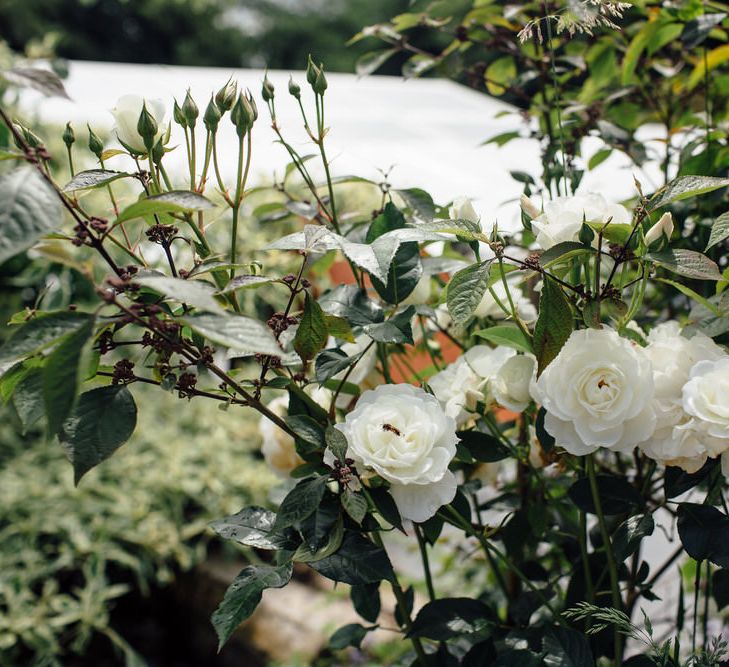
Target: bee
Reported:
point(391, 429)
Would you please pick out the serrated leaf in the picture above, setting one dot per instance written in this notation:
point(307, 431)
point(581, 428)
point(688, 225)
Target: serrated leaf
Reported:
point(194, 293)
point(506, 335)
point(253, 527)
point(43, 80)
point(419, 202)
point(554, 324)
point(237, 332)
point(103, 421)
point(312, 333)
point(336, 442)
point(27, 398)
point(684, 187)
point(93, 178)
point(176, 201)
point(629, 534)
point(688, 263)
point(719, 230)
point(330, 362)
point(397, 329)
point(564, 647)
point(41, 332)
point(358, 561)
point(301, 502)
point(465, 229)
point(29, 209)
point(244, 594)
point(352, 304)
point(446, 618)
point(354, 504)
point(466, 289)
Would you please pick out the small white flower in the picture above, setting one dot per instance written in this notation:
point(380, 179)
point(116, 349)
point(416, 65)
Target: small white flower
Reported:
point(401, 433)
point(706, 397)
point(510, 385)
point(489, 307)
point(563, 217)
point(598, 392)
point(462, 209)
point(126, 116)
point(664, 227)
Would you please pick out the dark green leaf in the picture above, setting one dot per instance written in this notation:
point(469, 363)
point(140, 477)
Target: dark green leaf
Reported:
point(719, 230)
point(352, 304)
point(93, 178)
point(301, 502)
point(688, 263)
point(311, 336)
point(720, 588)
point(370, 62)
point(366, 601)
point(677, 481)
point(466, 289)
point(684, 187)
point(29, 209)
point(307, 429)
point(336, 442)
point(704, 533)
point(330, 362)
point(253, 527)
point(358, 561)
point(348, 635)
point(562, 252)
point(339, 328)
point(28, 398)
point(175, 201)
point(545, 439)
point(103, 421)
point(554, 324)
point(45, 81)
point(244, 594)
point(450, 617)
point(419, 202)
point(564, 647)
point(244, 282)
point(483, 446)
point(237, 332)
point(386, 506)
point(195, 293)
point(616, 495)
point(397, 329)
point(507, 335)
point(62, 376)
point(628, 536)
point(315, 529)
point(355, 504)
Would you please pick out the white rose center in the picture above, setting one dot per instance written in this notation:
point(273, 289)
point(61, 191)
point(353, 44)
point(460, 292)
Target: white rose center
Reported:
point(599, 389)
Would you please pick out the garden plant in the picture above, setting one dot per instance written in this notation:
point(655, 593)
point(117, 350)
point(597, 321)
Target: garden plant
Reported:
point(584, 357)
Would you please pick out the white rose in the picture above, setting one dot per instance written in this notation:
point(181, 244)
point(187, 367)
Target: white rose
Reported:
point(421, 293)
point(490, 308)
point(510, 385)
point(598, 392)
point(679, 439)
point(462, 209)
point(401, 433)
point(126, 115)
point(706, 397)
point(486, 361)
point(458, 389)
point(563, 217)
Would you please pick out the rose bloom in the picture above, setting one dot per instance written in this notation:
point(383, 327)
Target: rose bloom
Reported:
point(462, 384)
point(126, 116)
point(489, 308)
point(563, 217)
point(462, 209)
point(511, 384)
point(679, 439)
point(598, 392)
point(401, 433)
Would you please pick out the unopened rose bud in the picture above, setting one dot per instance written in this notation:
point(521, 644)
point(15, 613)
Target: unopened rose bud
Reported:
point(242, 115)
point(664, 227)
point(31, 139)
point(212, 116)
point(158, 152)
point(267, 90)
point(529, 207)
point(190, 110)
point(178, 116)
point(68, 136)
point(294, 88)
point(225, 98)
point(320, 84)
point(147, 127)
point(95, 144)
point(462, 209)
point(254, 108)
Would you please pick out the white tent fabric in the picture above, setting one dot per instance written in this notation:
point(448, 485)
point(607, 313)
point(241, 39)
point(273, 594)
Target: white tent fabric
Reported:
point(425, 132)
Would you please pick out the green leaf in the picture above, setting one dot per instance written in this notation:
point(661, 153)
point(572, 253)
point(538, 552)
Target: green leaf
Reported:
point(339, 328)
point(564, 647)
point(562, 252)
point(27, 398)
point(253, 527)
point(698, 29)
point(336, 442)
point(237, 332)
point(29, 209)
point(316, 528)
point(386, 507)
point(464, 229)
point(704, 533)
point(684, 187)
point(245, 282)
point(629, 534)
point(419, 202)
point(719, 230)
point(554, 324)
point(62, 376)
point(466, 289)
point(720, 588)
point(499, 75)
point(483, 446)
point(370, 62)
point(176, 201)
point(599, 157)
point(330, 362)
point(358, 561)
point(244, 594)
point(307, 429)
point(348, 635)
point(45, 81)
point(692, 295)
point(6, 154)
point(93, 178)
point(634, 51)
point(506, 335)
point(501, 139)
point(311, 336)
point(352, 304)
point(616, 495)
point(354, 504)
point(103, 421)
point(366, 601)
point(398, 329)
point(41, 332)
point(677, 481)
point(446, 618)
point(194, 293)
point(301, 502)
point(688, 263)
